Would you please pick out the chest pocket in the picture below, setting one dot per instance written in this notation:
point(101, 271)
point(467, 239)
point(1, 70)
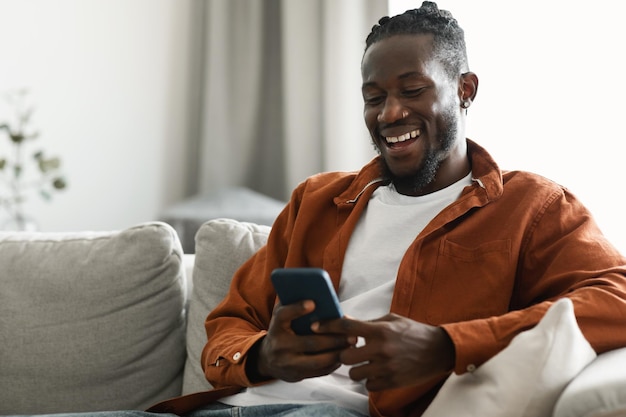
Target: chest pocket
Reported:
point(470, 282)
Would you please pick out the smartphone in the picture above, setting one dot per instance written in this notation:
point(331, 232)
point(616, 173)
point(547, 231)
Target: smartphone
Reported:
point(297, 284)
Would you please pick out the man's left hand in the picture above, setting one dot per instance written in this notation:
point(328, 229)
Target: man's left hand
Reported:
point(398, 351)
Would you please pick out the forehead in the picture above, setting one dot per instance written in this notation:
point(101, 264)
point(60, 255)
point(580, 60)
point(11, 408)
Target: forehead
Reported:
point(398, 54)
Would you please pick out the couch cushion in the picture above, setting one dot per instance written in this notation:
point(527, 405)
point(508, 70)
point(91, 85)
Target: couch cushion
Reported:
point(526, 378)
point(222, 245)
point(90, 320)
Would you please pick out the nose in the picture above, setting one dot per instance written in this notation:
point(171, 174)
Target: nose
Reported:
point(392, 111)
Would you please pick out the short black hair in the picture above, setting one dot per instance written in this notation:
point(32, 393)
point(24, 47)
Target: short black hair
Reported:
point(448, 36)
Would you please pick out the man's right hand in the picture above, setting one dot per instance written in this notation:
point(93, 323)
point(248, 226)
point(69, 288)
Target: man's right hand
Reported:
point(282, 354)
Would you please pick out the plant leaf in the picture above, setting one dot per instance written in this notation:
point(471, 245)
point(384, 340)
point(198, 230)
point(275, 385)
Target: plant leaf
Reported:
point(59, 183)
point(45, 195)
point(46, 165)
point(17, 137)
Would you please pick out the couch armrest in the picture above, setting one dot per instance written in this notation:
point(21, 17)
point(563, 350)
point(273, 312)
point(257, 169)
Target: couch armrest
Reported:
point(600, 388)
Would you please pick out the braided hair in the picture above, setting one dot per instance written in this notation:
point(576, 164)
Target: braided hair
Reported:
point(448, 37)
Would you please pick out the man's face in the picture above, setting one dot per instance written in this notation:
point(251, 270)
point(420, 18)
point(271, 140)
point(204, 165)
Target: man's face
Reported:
point(412, 111)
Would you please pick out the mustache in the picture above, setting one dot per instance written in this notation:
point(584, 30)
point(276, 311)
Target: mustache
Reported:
point(382, 126)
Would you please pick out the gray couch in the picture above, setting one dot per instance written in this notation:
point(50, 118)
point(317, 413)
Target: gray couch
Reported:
point(114, 320)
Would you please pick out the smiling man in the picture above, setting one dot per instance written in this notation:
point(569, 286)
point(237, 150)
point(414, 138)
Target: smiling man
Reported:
point(438, 256)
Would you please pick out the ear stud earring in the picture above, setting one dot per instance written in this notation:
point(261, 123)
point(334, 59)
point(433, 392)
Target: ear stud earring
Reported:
point(465, 104)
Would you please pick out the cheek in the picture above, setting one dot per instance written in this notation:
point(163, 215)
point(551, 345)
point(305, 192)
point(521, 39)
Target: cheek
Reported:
point(447, 100)
point(370, 116)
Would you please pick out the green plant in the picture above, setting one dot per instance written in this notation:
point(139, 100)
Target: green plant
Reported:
point(21, 173)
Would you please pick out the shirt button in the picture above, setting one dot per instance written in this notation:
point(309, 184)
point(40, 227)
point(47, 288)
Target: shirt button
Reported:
point(471, 367)
point(236, 356)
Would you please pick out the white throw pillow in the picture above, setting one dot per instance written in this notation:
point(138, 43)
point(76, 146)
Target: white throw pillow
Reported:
point(222, 246)
point(90, 320)
point(599, 390)
point(526, 378)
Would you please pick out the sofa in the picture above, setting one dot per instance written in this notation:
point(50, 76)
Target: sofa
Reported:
point(114, 320)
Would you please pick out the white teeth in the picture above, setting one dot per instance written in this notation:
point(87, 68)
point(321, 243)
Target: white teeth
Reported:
point(402, 138)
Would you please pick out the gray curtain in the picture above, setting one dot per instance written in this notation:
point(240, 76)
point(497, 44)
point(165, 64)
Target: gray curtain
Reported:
point(277, 91)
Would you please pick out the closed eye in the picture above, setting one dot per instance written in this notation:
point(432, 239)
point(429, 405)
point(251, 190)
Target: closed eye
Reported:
point(413, 92)
point(373, 100)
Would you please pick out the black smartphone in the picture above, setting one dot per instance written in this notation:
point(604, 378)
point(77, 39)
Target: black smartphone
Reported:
point(297, 284)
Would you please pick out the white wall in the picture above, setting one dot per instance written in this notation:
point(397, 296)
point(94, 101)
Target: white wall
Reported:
point(109, 81)
point(551, 96)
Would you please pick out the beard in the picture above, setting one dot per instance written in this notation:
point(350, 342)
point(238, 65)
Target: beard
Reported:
point(426, 172)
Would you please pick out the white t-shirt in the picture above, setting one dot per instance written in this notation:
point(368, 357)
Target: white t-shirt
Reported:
point(388, 226)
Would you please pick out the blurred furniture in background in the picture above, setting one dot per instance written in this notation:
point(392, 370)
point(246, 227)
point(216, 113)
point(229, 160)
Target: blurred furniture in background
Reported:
point(238, 203)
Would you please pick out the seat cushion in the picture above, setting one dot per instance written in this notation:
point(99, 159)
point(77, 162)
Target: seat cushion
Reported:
point(91, 320)
point(222, 245)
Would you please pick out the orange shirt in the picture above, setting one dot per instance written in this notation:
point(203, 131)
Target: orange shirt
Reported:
point(485, 268)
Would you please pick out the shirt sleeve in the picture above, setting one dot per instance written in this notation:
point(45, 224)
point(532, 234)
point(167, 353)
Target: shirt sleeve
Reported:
point(243, 317)
point(565, 255)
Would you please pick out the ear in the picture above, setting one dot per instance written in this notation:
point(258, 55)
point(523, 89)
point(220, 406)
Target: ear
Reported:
point(468, 87)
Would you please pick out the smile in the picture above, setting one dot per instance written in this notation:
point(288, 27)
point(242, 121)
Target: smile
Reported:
point(410, 135)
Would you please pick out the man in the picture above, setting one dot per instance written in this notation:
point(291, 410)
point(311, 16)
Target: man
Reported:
point(439, 258)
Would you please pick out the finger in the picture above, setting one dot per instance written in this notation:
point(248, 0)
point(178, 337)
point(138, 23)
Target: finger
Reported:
point(376, 378)
point(378, 384)
point(307, 366)
point(363, 371)
point(323, 343)
point(317, 328)
point(285, 314)
point(345, 325)
point(321, 360)
point(356, 355)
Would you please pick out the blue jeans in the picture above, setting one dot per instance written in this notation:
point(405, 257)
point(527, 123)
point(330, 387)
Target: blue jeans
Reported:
point(222, 410)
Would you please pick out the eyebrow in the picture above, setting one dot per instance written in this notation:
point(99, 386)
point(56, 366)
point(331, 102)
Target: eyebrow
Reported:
point(410, 75)
point(403, 76)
